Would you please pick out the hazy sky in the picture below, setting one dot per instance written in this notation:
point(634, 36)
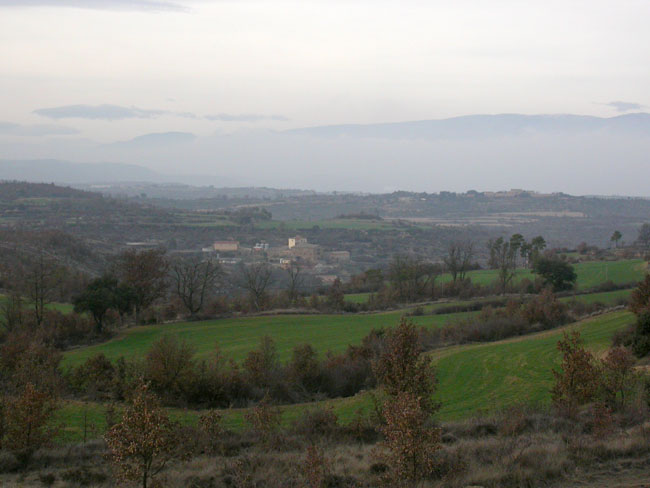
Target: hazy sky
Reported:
point(111, 70)
point(81, 78)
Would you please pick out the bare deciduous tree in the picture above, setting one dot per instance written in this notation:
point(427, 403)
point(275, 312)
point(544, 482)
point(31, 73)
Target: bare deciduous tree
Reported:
point(255, 279)
point(40, 278)
point(144, 441)
point(503, 258)
point(11, 312)
point(644, 236)
point(194, 279)
point(459, 258)
point(412, 278)
point(295, 280)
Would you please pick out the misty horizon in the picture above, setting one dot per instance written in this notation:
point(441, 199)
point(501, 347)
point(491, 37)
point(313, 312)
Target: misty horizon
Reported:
point(578, 155)
point(349, 96)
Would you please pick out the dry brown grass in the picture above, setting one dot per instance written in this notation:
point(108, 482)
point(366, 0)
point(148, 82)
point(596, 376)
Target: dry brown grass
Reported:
point(510, 450)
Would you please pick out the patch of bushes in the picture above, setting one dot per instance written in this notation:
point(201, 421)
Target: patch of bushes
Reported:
point(180, 380)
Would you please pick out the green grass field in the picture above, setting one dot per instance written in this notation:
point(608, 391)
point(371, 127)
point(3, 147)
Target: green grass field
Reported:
point(357, 297)
point(590, 274)
point(605, 297)
point(353, 224)
point(472, 379)
point(237, 336)
point(61, 307)
point(493, 376)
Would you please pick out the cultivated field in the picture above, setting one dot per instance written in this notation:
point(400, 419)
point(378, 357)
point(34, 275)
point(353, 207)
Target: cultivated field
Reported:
point(472, 378)
point(235, 337)
point(590, 274)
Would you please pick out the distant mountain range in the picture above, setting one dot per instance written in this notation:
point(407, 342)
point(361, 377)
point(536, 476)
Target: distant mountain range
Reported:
point(56, 171)
point(156, 138)
point(484, 152)
point(67, 172)
point(485, 126)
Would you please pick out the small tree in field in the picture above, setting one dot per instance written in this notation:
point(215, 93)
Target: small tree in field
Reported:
point(193, 280)
point(618, 376)
point(640, 305)
point(408, 379)
point(211, 426)
point(28, 422)
point(145, 274)
point(97, 298)
point(255, 279)
point(410, 445)
point(577, 382)
point(555, 272)
point(38, 281)
point(144, 441)
point(401, 367)
point(640, 299)
point(169, 364)
point(644, 236)
point(503, 257)
point(336, 296)
point(265, 420)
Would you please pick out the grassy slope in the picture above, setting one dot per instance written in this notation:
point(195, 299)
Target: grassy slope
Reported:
point(517, 370)
point(590, 274)
point(472, 378)
point(237, 336)
point(492, 376)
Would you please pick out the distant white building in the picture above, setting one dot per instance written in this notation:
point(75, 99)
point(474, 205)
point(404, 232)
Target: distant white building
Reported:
point(261, 246)
point(296, 241)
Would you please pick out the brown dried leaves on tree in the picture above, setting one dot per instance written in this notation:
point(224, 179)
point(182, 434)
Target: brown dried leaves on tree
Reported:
point(144, 441)
point(410, 445)
point(577, 381)
point(408, 380)
point(28, 422)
